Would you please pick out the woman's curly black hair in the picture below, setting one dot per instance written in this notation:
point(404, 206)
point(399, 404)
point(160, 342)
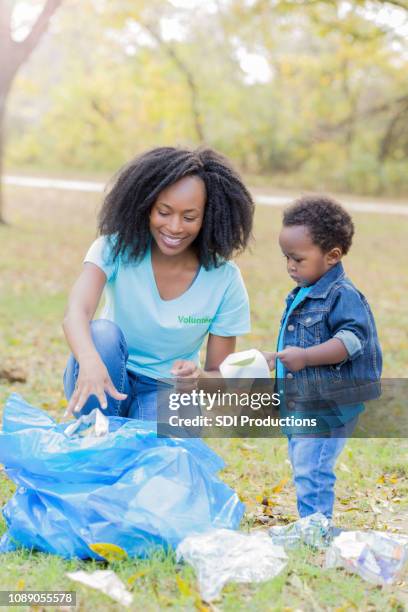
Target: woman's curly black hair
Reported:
point(328, 223)
point(228, 214)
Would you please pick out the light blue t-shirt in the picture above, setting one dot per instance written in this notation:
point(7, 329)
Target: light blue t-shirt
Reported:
point(301, 294)
point(157, 331)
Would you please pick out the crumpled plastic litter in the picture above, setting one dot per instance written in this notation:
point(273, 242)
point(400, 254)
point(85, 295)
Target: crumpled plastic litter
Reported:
point(107, 582)
point(222, 555)
point(314, 530)
point(94, 423)
point(128, 487)
point(376, 556)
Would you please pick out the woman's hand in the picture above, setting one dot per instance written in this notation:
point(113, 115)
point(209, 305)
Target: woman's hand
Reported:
point(186, 374)
point(182, 368)
point(93, 379)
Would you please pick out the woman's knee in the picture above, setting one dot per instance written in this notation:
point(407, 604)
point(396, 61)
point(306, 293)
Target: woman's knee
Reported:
point(106, 334)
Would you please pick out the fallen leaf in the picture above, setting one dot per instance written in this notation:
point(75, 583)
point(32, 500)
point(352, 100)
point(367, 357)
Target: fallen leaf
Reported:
point(265, 501)
point(134, 577)
point(183, 586)
point(268, 511)
point(278, 488)
point(346, 608)
point(247, 446)
point(13, 374)
point(108, 551)
point(346, 500)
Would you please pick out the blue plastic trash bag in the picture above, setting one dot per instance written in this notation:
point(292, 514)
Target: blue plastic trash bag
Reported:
point(127, 488)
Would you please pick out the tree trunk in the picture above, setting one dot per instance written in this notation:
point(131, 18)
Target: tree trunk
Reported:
point(12, 56)
point(3, 96)
point(188, 75)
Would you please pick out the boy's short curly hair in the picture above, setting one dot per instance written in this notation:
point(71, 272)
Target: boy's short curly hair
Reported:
point(328, 223)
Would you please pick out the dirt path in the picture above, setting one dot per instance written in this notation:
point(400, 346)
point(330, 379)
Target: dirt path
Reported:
point(261, 197)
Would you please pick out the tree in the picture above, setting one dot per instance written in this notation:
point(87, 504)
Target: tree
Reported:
point(187, 73)
point(313, 94)
point(12, 55)
point(148, 16)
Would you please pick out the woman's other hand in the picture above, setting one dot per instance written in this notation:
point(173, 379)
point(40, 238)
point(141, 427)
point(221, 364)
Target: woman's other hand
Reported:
point(182, 368)
point(186, 374)
point(93, 379)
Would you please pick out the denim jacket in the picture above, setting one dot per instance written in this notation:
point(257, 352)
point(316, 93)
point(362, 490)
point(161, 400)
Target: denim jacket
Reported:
point(334, 308)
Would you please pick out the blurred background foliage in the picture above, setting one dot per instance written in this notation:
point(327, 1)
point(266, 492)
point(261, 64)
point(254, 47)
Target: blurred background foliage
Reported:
point(299, 94)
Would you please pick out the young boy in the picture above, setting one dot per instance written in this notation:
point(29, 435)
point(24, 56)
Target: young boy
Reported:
point(327, 341)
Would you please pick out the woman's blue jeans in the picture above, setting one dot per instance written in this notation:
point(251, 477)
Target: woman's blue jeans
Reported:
point(313, 461)
point(141, 401)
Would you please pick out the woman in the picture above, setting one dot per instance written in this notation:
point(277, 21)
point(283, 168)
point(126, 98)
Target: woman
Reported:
point(169, 226)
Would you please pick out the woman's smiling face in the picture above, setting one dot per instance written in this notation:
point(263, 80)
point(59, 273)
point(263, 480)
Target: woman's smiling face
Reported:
point(177, 215)
point(306, 262)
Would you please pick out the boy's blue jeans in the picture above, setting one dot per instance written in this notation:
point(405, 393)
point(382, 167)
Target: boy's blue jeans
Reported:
point(141, 401)
point(313, 461)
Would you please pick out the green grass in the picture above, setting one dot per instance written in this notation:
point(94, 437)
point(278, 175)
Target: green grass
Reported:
point(41, 253)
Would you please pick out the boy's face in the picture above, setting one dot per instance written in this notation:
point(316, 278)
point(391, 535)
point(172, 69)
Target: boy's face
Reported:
point(306, 262)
